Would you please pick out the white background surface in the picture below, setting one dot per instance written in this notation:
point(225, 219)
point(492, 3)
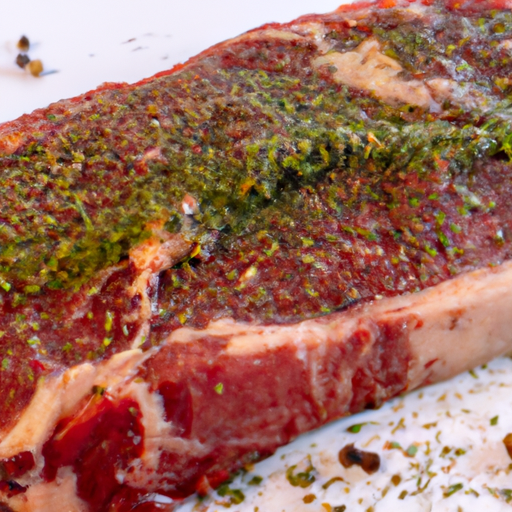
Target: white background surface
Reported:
point(86, 42)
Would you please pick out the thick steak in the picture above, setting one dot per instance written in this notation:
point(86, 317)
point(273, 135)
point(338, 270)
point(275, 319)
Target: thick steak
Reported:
point(295, 225)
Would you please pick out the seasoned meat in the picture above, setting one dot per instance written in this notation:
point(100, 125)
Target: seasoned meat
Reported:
point(297, 224)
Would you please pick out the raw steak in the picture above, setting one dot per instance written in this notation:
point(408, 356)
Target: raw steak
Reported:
point(295, 225)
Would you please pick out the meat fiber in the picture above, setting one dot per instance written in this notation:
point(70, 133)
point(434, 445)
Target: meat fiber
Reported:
point(297, 224)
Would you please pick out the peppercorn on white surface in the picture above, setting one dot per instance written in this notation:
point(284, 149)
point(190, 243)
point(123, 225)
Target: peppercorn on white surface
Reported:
point(441, 449)
point(82, 45)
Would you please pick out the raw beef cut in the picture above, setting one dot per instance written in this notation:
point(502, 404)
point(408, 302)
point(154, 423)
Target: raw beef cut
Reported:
point(297, 224)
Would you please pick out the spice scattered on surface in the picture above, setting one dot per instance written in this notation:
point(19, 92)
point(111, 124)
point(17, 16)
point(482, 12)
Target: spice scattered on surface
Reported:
point(35, 67)
point(301, 478)
point(309, 498)
point(349, 455)
point(452, 490)
point(255, 480)
point(508, 444)
point(332, 481)
point(396, 479)
point(23, 44)
point(22, 60)
point(355, 429)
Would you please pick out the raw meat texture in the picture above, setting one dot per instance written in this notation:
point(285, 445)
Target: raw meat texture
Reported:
point(295, 225)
